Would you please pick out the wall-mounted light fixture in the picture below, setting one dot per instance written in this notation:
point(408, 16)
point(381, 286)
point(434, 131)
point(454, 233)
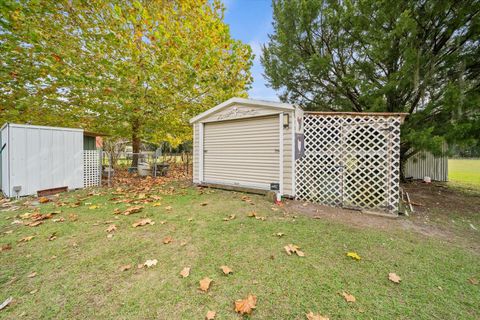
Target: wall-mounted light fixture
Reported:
point(286, 120)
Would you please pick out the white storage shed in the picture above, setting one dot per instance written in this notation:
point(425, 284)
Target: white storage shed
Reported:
point(335, 158)
point(35, 158)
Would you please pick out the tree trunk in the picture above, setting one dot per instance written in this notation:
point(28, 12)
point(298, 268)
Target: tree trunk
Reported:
point(135, 142)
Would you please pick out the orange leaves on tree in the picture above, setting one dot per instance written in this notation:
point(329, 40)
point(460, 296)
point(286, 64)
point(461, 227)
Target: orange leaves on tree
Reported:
point(246, 305)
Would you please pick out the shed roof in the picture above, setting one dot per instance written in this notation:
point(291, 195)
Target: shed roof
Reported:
point(243, 101)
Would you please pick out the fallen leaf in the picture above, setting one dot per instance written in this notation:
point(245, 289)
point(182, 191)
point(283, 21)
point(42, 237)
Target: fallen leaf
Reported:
point(6, 303)
point(26, 239)
point(111, 228)
point(31, 275)
point(34, 224)
point(230, 217)
point(251, 214)
point(246, 305)
point(168, 208)
point(183, 243)
point(43, 200)
point(279, 234)
point(8, 232)
point(190, 219)
point(312, 316)
point(126, 267)
point(117, 211)
point(133, 209)
point(73, 217)
point(473, 281)
point(156, 204)
point(274, 209)
point(94, 207)
point(394, 277)
point(52, 237)
point(226, 270)
point(150, 263)
point(210, 315)
point(291, 248)
point(33, 291)
point(203, 204)
point(353, 255)
point(59, 220)
point(143, 222)
point(348, 297)
point(205, 284)
point(167, 239)
point(185, 272)
point(261, 218)
point(110, 235)
point(6, 247)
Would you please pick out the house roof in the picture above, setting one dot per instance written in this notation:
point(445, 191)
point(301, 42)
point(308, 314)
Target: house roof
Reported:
point(243, 101)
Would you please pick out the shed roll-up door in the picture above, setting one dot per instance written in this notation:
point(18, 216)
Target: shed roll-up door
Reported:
point(242, 152)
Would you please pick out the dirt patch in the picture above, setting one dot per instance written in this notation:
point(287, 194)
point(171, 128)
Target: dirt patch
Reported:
point(437, 210)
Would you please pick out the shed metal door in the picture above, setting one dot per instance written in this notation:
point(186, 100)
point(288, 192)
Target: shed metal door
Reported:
point(243, 153)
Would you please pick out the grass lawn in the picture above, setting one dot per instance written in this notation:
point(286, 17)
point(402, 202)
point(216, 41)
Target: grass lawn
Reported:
point(78, 274)
point(464, 172)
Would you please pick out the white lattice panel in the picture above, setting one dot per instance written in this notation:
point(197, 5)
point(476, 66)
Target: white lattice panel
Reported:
point(350, 161)
point(91, 168)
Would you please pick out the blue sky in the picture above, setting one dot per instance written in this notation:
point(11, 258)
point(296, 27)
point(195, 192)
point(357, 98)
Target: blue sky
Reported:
point(251, 22)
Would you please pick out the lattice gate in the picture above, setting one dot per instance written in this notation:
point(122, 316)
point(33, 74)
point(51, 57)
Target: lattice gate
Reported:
point(350, 161)
point(92, 168)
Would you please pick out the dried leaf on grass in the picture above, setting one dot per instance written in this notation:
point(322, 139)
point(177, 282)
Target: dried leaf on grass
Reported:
point(93, 207)
point(203, 204)
point(6, 247)
point(348, 297)
point(111, 228)
point(394, 277)
point(246, 305)
point(59, 220)
point(205, 284)
point(473, 280)
point(72, 217)
point(133, 209)
point(34, 223)
point(167, 239)
point(312, 316)
point(291, 248)
point(31, 275)
point(150, 263)
point(226, 270)
point(43, 200)
point(185, 272)
point(52, 237)
point(6, 303)
point(126, 267)
point(279, 234)
point(117, 211)
point(353, 255)
point(26, 239)
point(210, 315)
point(251, 214)
point(230, 217)
point(156, 204)
point(168, 208)
point(143, 222)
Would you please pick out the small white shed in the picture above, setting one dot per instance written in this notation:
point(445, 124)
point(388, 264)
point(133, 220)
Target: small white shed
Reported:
point(35, 158)
point(335, 158)
point(246, 143)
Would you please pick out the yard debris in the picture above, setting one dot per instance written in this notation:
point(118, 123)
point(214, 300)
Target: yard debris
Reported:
point(230, 217)
point(150, 263)
point(111, 228)
point(312, 316)
point(93, 207)
point(126, 267)
point(6, 303)
point(72, 217)
point(143, 222)
point(348, 297)
point(473, 227)
point(252, 214)
point(62, 219)
point(168, 208)
point(210, 315)
point(353, 255)
point(43, 200)
point(473, 280)
point(32, 275)
point(34, 223)
point(167, 240)
point(203, 204)
point(246, 305)
point(185, 272)
point(274, 209)
point(6, 247)
point(279, 234)
point(291, 248)
point(133, 209)
point(183, 243)
point(26, 239)
point(110, 235)
point(205, 284)
point(52, 237)
point(156, 204)
point(117, 211)
point(394, 277)
point(226, 270)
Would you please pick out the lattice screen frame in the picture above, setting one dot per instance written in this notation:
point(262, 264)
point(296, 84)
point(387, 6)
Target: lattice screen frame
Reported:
point(92, 168)
point(350, 161)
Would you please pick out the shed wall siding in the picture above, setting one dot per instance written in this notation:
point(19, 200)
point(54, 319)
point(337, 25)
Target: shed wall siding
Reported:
point(425, 164)
point(195, 152)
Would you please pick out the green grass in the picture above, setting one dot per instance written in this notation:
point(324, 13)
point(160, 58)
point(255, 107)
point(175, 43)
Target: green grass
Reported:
point(84, 281)
point(464, 172)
